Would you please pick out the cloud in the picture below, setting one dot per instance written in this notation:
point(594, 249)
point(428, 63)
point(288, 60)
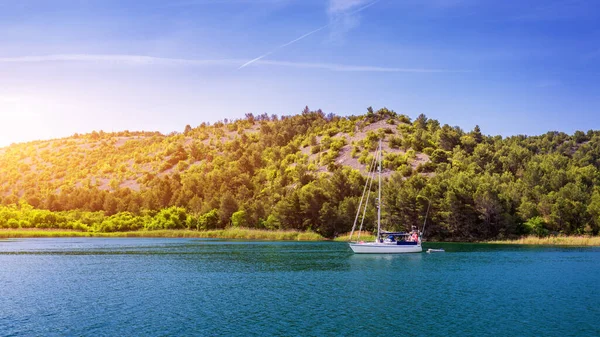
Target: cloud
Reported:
point(347, 4)
point(142, 60)
point(221, 2)
point(343, 16)
point(341, 6)
point(115, 58)
point(355, 68)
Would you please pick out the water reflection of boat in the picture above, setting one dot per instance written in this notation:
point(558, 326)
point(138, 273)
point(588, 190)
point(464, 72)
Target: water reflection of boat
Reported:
point(385, 242)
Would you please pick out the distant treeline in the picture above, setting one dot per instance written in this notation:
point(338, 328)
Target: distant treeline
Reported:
point(272, 172)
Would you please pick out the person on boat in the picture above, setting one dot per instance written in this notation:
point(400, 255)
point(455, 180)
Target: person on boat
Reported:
point(415, 236)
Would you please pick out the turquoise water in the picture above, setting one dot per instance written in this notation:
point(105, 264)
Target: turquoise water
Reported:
point(174, 287)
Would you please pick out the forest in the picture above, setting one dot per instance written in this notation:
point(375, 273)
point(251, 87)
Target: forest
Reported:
point(306, 172)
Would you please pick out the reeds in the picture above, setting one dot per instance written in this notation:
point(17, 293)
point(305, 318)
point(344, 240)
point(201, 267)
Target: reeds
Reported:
point(560, 240)
point(20, 233)
point(364, 236)
point(228, 233)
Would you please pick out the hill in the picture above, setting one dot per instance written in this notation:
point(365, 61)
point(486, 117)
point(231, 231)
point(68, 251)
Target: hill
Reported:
point(306, 172)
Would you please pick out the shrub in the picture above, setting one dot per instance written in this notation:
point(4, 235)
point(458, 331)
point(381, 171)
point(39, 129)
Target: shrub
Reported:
point(13, 223)
point(239, 219)
point(439, 156)
point(428, 151)
point(405, 170)
point(536, 226)
point(404, 119)
point(395, 142)
point(326, 142)
point(209, 220)
point(337, 144)
point(170, 218)
point(426, 167)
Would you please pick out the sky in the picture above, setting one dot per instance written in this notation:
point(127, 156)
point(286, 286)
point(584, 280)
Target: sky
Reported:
point(511, 67)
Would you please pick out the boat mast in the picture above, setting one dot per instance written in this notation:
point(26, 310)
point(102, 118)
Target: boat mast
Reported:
point(379, 199)
point(426, 214)
point(368, 182)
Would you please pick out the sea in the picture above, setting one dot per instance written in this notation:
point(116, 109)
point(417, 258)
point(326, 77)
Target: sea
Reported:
point(202, 287)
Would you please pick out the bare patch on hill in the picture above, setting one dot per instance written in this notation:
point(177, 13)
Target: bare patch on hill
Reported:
point(345, 155)
point(129, 164)
point(382, 124)
point(130, 184)
point(88, 146)
point(167, 172)
point(196, 163)
point(361, 132)
point(120, 141)
point(345, 158)
point(102, 183)
point(145, 167)
point(421, 158)
point(255, 128)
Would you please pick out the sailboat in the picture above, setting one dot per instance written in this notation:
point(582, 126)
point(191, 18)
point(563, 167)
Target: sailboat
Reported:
point(385, 242)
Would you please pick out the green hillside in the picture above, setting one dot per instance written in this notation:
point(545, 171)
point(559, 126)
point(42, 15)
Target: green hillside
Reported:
point(305, 172)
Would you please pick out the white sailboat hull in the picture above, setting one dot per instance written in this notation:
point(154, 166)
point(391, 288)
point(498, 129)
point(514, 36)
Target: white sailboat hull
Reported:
point(383, 248)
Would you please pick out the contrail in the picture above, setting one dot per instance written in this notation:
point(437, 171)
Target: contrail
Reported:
point(364, 7)
point(144, 60)
point(283, 45)
point(305, 35)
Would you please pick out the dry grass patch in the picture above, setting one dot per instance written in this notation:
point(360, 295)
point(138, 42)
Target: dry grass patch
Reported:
point(364, 236)
point(553, 241)
point(229, 233)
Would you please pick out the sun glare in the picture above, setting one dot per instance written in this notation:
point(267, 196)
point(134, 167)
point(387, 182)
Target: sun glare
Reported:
point(19, 120)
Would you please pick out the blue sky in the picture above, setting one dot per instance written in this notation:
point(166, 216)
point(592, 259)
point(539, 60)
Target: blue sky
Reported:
point(513, 67)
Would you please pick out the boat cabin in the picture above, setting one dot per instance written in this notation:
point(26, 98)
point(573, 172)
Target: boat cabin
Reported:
point(399, 238)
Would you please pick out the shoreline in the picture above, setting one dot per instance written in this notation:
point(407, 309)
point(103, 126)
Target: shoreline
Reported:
point(574, 241)
point(276, 235)
point(561, 240)
point(230, 233)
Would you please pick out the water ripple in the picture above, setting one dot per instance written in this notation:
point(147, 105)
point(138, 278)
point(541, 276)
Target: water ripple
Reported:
point(172, 287)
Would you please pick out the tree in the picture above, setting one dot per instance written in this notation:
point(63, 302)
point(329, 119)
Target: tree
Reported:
point(421, 122)
point(265, 176)
point(448, 138)
point(227, 207)
point(439, 156)
point(370, 112)
point(593, 210)
point(476, 134)
point(288, 212)
point(195, 204)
